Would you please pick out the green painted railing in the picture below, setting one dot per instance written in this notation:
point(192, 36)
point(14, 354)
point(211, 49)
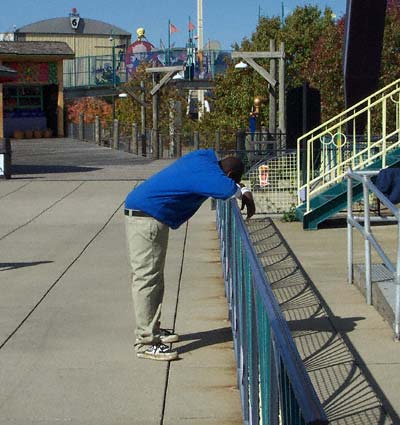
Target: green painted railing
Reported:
point(325, 153)
point(91, 71)
point(274, 385)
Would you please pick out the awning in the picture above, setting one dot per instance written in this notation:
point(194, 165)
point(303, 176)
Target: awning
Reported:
point(7, 74)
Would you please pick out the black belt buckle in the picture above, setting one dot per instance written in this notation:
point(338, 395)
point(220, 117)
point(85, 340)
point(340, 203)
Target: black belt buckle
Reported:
point(135, 213)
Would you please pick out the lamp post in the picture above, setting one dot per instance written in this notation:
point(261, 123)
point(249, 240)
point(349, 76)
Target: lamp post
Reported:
point(249, 59)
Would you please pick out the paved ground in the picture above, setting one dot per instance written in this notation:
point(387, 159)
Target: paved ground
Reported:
point(65, 309)
point(66, 319)
point(339, 338)
point(349, 347)
point(39, 159)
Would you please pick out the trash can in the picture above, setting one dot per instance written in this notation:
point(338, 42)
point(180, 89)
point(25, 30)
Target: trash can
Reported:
point(5, 158)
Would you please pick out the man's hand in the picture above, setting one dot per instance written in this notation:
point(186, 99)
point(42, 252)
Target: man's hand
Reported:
point(248, 202)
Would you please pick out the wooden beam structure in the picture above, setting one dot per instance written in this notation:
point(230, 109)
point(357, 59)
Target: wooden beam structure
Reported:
point(250, 57)
point(169, 72)
point(258, 55)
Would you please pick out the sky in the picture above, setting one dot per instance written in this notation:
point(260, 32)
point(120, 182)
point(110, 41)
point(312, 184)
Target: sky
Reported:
point(227, 21)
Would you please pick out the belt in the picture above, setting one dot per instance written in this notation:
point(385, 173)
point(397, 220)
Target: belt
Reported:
point(135, 213)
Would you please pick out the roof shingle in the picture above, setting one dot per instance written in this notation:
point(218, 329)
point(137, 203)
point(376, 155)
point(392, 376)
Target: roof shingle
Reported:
point(32, 48)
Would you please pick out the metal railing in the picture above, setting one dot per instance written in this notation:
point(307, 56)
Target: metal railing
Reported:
point(369, 239)
point(112, 134)
point(272, 181)
point(274, 385)
point(108, 70)
point(89, 71)
point(340, 146)
point(126, 136)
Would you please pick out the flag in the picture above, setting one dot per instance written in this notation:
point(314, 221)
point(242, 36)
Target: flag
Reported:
point(191, 26)
point(172, 28)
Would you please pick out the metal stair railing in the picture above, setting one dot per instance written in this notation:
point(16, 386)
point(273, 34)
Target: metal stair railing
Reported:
point(369, 239)
point(274, 385)
point(339, 150)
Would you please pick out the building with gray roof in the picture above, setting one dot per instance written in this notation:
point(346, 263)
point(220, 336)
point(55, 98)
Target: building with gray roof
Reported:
point(85, 36)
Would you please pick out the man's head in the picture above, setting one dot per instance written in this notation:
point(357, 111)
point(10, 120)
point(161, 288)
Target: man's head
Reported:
point(233, 167)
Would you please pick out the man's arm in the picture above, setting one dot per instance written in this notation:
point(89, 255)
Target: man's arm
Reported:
point(246, 196)
point(248, 202)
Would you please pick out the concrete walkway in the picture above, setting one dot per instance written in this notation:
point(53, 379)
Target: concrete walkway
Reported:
point(66, 318)
point(354, 349)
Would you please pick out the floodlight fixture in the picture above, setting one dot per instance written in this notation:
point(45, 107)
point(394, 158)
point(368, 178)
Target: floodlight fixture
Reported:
point(241, 65)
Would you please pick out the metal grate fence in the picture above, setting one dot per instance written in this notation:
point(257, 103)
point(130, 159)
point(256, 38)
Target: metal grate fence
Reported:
point(273, 182)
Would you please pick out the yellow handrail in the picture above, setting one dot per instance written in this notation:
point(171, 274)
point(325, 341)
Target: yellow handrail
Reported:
point(337, 154)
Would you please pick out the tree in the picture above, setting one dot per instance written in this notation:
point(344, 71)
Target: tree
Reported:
point(128, 110)
point(235, 91)
point(323, 69)
point(313, 46)
point(90, 107)
point(391, 45)
point(301, 32)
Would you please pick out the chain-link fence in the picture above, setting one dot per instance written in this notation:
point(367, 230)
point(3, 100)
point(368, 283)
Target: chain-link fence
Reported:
point(273, 181)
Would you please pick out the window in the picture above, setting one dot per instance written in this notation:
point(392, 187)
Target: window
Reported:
point(23, 97)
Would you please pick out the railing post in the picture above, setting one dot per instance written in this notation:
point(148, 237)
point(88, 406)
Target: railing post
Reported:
point(217, 141)
point(369, 128)
point(134, 139)
point(397, 282)
point(160, 147)
point(81, 126)
point(349, 228)
point(308, 175)
point(384, 131)
point(97, 130)
point(367, 243)
point(178, 145)
point(154, 143)
point(115, 134)
point(196, 140)
point(241, 143)
point(143, 140)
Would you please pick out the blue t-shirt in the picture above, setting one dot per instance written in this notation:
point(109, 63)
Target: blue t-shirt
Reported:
point(174, 194)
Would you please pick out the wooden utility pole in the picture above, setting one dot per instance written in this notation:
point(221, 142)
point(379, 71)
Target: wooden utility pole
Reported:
point(282, 101)
point(249, 58)
point(155, 129)
point(158, 83)
point(272, 92)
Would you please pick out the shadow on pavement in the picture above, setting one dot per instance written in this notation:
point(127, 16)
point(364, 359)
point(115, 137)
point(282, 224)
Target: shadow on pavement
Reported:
point(321, 324)
point(47, 169)
point(205, 338)
point(11, 266)
point(346, 388)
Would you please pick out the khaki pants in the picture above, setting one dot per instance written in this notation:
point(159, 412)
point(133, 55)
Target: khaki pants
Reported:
point(147, 247)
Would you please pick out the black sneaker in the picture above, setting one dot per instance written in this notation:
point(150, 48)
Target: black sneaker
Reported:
point(158, 352)
point(168, 337)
